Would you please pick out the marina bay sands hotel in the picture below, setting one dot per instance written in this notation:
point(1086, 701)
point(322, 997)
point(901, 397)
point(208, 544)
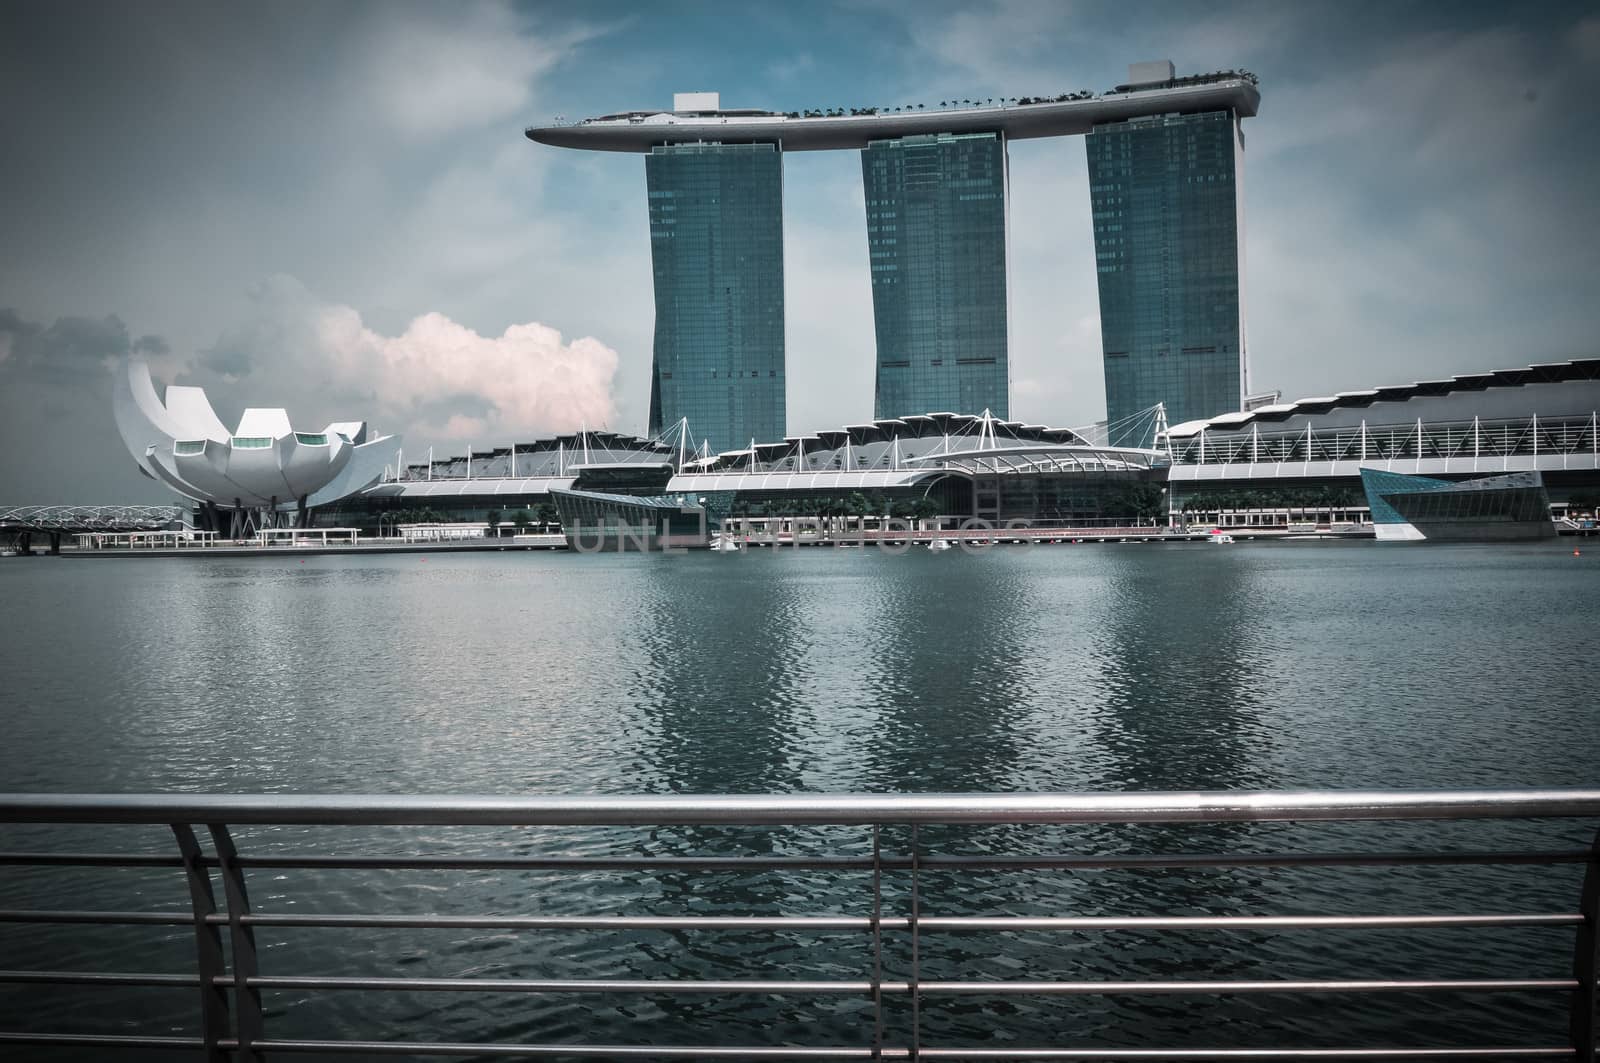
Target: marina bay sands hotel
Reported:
point(1165, 160)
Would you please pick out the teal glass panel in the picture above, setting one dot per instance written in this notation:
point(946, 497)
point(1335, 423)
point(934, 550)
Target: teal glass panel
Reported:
point(189, 447)
point(1166, 239)
point(311, 439)
point(1377, 483)
point(251, 442)
point(716, 249)
point(936, 237)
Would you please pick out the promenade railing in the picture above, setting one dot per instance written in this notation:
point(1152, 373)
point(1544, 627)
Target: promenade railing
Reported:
point(229, 976)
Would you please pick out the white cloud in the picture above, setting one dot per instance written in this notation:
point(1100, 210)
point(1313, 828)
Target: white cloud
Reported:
point(435, 380)
point(527, 380)
point(463, 68)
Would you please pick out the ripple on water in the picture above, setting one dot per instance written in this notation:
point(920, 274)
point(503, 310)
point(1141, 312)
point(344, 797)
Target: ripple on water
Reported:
point(1064, 668)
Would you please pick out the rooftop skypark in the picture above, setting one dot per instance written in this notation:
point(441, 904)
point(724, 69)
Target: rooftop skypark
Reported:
point(700, 116)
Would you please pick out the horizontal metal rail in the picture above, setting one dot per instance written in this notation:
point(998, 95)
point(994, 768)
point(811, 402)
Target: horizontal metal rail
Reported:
point(231, 983)
point(926, 923)
point(599, 1051)
point(799, 809)
point(931, 862)
point(782, 987)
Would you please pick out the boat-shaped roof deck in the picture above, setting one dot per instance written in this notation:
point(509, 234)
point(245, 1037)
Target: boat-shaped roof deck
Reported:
point(640, 131)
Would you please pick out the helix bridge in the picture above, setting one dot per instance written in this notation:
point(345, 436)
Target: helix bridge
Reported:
point(19, 525)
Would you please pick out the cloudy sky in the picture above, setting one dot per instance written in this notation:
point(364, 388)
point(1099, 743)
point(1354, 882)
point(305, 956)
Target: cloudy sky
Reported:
point(331, 206)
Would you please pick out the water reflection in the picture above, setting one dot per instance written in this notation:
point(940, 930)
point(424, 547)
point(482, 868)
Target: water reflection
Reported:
point(1179, 662)
point(952, 678)
point(715, 694)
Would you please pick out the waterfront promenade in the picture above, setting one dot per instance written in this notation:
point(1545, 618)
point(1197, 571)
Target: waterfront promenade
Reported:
point(972, 536)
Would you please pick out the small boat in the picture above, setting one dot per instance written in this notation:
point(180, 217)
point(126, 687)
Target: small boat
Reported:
point(938, 545)
point(845, 544)
point(725, 545)
point(1221, 537)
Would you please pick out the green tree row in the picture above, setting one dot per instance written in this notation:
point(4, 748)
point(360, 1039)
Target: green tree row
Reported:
point(855, 504)
point(1327, 496)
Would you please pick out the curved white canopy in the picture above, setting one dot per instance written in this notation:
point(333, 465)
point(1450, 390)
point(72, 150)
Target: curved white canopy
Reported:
point(264, 462)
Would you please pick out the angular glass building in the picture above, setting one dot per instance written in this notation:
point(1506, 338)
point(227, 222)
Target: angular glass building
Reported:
point(716, 247)
point(936, 235)
point(1511, 506)
point(1168, 218)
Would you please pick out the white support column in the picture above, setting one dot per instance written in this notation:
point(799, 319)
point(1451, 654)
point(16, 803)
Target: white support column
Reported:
point(1419, 445)
point(1255, 443)
point(1477, 442)
point(469, 461)
point(1363, 440)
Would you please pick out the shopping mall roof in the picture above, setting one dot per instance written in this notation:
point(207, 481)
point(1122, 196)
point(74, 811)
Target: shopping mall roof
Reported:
point(1540, 373)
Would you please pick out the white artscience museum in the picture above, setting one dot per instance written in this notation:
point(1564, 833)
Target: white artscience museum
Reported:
point(263, 474)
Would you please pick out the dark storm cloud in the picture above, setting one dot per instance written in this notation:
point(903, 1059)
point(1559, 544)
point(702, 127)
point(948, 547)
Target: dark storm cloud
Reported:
point(69, 352)
point(58, 444)
point(226, 360)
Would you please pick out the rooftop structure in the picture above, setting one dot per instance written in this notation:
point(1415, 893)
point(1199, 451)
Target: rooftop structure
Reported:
point(1539, 418)
point(970, 465)
point(1019, 118)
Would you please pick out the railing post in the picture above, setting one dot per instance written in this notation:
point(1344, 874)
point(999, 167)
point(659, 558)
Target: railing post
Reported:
point(916, 958)
point(1586, 959)
point(246, 997)
point(877, 945)
point(208, 945)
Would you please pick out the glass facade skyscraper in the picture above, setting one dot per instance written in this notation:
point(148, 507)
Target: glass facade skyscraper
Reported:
point(1168, 238)
point(716, 249)
point(936, 235)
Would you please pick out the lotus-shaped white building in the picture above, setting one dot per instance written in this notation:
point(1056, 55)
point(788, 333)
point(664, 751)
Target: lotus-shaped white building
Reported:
point(261, 473)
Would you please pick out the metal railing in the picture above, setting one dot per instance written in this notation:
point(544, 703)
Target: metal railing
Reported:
point(229, 978)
